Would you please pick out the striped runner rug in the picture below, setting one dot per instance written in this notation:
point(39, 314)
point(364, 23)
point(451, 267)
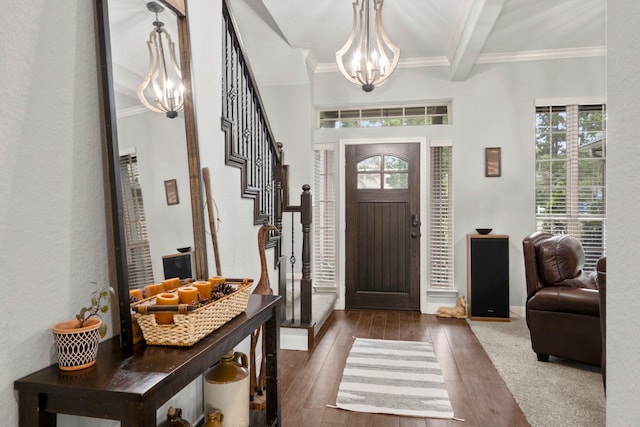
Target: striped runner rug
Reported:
point(393, 377)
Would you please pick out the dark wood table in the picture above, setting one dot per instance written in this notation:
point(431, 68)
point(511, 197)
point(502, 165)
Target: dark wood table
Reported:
point(131, 386)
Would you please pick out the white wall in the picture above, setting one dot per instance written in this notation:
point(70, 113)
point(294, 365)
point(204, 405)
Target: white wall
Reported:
point(623, 198)
point(161, 148)
point(494, 107)
point(292, 124)
point(52, 218)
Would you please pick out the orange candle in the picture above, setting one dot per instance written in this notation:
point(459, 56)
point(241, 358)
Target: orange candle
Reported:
point(165, 298)
point(171, 284)
point(188, 295)
point(204, 288)
point(153, 290)
point(215, 281)
point(136, 293)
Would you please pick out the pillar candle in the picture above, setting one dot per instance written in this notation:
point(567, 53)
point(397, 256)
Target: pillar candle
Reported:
point(171, 284)
point(188, 295)
point(204, 288)
point(137, 293)
point(153, 290)
point(215, 281)
point(165, 298)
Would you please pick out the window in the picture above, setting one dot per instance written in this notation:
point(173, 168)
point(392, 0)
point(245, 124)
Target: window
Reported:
point(390, 116)
point(441, 217)
point(390, 172)
point(137, 241)
point(324, 230)
point(570, 174)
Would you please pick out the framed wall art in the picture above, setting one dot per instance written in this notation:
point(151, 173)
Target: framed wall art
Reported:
point(492, 162)
point(171, 190)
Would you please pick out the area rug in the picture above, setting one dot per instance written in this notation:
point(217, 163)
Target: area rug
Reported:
point(556, 393)
point(393, 377)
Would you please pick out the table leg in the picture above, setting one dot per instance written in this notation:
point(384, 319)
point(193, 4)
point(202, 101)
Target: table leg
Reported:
point(30, 412)
point(137, 415)
point(272, 341)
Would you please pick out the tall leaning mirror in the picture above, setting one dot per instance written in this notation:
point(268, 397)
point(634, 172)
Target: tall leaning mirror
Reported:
point(150, 146)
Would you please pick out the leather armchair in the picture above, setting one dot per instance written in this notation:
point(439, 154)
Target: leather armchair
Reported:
point(563, 302)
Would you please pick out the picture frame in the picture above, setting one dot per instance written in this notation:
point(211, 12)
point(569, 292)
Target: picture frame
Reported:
point(492, 162)
point(171, 191)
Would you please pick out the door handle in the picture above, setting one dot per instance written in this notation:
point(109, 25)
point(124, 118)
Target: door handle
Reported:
point(415, 220)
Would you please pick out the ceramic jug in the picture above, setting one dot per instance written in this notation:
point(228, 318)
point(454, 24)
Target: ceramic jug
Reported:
point(174, 419)
point(226, 389)
point(214, 419)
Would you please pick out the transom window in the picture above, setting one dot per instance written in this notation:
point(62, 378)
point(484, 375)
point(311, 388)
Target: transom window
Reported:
point(390, 116)
point(383, 171)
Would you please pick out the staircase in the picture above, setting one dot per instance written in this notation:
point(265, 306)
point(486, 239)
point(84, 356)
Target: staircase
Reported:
point(251, 146)
point(297, 336)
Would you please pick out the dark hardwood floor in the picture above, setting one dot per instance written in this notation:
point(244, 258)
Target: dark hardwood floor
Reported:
point(309, 380)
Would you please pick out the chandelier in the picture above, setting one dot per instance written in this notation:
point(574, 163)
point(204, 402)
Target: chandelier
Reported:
point(161, 91)
point(373, 57)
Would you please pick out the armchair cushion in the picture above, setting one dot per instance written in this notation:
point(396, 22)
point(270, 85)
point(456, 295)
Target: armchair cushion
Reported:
point(563, 299)
point(561, 258)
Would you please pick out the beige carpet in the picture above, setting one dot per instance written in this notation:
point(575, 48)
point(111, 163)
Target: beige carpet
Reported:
point(557, 393)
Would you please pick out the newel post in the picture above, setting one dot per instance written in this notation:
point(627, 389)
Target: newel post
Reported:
point(306, 216)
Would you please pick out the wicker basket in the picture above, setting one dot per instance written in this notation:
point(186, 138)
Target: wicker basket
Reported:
point(187, 329)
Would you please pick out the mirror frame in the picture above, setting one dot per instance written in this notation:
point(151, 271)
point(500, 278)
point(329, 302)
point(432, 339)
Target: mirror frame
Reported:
point(111, 160)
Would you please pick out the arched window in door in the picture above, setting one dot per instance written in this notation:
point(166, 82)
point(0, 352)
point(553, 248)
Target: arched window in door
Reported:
point(383, 172)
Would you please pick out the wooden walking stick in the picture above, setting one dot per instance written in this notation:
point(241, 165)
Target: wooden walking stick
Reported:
point(212, 224)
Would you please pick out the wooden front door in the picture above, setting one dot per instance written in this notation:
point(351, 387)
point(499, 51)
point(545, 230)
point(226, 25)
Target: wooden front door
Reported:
point(383, 226)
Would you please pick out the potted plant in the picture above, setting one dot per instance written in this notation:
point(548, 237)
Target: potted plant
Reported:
point(77, 340)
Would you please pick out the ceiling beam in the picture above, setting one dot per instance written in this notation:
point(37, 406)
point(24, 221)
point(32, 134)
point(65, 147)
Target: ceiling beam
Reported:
point(478, 24)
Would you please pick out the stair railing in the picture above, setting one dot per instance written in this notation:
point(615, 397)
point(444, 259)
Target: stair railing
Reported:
point(251, 147)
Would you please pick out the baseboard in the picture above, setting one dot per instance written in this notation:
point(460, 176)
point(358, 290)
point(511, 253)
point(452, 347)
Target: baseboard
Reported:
point(294, 339)
point(517, 310)
point(437, 298)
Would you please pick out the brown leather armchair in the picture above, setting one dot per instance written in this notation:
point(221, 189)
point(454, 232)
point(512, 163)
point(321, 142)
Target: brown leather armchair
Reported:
point(562, 308)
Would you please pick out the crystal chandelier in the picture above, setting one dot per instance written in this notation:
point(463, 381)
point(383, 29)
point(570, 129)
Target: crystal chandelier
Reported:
point(161, 91)
point(373, 57)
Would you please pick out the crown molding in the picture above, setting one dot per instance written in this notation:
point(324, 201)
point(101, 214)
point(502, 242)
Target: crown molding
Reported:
point(131, 111)
point(435, 61)
point(485, 58)
point(541, 55)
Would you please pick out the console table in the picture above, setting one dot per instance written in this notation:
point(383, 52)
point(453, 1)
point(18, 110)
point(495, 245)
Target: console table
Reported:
point(131, 386)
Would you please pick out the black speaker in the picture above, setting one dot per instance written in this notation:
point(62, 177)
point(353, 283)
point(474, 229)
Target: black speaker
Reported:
point(488, 276)
point(178, 265)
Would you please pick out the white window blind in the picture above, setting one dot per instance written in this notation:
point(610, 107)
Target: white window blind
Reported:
point(441, 218)
point(140, 272)
point(324, 230)
point(570, 174)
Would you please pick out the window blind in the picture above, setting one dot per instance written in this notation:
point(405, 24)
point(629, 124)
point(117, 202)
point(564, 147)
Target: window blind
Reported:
point(324, 230)
point(441, 218)
point(571, 174)
point(139, 267)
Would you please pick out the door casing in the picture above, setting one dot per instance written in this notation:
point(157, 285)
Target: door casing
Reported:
point(424, 186)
